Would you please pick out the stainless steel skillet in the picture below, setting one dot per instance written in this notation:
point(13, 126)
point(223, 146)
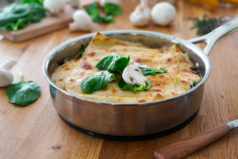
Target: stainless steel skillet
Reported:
point(130, 120)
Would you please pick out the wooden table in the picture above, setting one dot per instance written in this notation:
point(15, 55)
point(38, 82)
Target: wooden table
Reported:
point(37, 132)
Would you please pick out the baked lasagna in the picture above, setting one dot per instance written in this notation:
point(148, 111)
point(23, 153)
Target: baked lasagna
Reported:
point(76, 75)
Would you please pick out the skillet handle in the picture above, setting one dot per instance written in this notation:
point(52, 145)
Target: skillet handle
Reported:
point(211, 38)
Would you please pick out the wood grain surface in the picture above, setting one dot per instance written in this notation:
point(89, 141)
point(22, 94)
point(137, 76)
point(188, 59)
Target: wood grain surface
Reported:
point(37, 132)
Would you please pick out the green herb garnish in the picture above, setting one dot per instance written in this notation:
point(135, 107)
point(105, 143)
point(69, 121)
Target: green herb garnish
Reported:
point(204, 25)
point(23, 93)
point(112, 9)
point(125, 86)
point(96, 82)
point(152, 71)
point(18, 15)
point(113, 63)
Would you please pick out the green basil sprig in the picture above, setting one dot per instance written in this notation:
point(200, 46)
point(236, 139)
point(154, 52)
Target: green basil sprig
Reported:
point(113, 63)
point(96, 82)
point(125, 86)
point(23, 93)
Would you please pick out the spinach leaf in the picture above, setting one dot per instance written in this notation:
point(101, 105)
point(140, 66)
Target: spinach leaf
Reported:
point(96, 82)
point(125, 86)
point(113, 63)
point(106, 19)
point(112, 9)
point(23, 93)
point(93, 11)
point(193, 84)
point(33, 1)
point(18, 15)
point(152, 71)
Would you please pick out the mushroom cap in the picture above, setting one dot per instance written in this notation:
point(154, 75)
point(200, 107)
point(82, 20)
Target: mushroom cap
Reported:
point(140, 16)
point(83, 20)
point(54, 6)
point(7, 65)
point(6, 78)
point(163, 13)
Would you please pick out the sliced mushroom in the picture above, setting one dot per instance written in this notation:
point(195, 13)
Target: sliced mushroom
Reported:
point(133, 75)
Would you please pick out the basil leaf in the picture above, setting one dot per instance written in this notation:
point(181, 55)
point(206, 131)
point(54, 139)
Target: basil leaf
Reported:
point(113, 63)
point(112, 9)
point(23, 93)
point(152, 71)
point(125, 86)
point(96, 82)
point(93, 11)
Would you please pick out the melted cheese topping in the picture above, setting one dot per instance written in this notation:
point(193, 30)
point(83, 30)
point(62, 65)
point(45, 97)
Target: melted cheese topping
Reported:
point(177, 80)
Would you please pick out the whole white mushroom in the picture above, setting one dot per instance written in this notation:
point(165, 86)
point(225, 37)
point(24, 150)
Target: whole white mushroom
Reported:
point(103, 2)
point(6, 76)
point(163, 13)
point(82, 21)
point(54, 6)
point(141, 15)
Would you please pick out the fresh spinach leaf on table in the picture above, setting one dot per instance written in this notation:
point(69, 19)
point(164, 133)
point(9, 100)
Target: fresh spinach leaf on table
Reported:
point(93, 11)
point(23, 93)
point(113, 63)
point(107, 19)
point(33, 1)
point(125, 86)
point(18, 15)
point(112, 9)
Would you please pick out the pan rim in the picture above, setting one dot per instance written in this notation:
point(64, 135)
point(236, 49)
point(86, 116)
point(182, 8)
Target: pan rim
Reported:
point(171, 38)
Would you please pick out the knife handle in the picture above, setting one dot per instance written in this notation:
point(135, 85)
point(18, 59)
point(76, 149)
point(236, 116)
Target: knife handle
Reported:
point(189, 145)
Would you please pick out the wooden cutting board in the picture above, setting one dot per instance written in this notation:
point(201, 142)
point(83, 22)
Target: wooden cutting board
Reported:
point(46, 25)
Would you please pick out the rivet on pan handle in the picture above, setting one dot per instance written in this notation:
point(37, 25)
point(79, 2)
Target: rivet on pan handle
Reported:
point(216, 34)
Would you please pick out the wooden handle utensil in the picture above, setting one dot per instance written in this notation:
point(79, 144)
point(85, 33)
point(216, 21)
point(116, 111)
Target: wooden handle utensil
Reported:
point(187, 146)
